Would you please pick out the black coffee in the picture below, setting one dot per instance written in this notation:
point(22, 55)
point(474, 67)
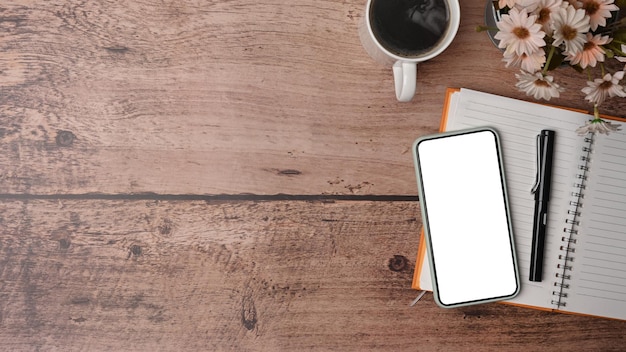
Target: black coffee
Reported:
point(409, 27)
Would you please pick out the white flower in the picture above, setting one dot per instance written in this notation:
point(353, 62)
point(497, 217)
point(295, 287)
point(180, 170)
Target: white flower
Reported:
point(529, 63)
point(574, 3)
point(519, 33)
point(570, 26)
point(538, 85)
point(598, 11)
point(506, 3)
point(592, 53)
point(597, 125)
point(573, 31)
point(529, 5)
point(544, 11)
point(602, 88)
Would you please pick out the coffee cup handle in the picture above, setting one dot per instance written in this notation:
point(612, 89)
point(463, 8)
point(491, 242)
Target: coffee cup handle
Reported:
point(405, 79)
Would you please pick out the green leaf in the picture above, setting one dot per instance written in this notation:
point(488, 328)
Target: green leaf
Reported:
point(620, 35)
point(609, 53)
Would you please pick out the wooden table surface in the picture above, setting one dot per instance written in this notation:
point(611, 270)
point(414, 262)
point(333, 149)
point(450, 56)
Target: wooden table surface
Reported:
point(232, 175)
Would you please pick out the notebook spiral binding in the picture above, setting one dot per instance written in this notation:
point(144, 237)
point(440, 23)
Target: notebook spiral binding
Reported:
point(561, 284)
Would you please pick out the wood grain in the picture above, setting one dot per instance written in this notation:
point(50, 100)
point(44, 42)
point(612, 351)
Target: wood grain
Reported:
point(254, 276)
point(142, 146)
point(219, 97)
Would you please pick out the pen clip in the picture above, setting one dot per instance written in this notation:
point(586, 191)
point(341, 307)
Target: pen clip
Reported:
point(538, 166)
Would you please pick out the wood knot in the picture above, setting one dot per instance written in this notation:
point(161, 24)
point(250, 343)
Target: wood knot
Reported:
point(248, 312)
point(398, 263)
point(65, 138)
point(64, 243)
point(289, 172)
point(166, 227)
point(135, 250)
point(118, 49)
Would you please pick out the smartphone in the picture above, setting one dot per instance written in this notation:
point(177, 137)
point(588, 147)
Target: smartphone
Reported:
point(466, 218)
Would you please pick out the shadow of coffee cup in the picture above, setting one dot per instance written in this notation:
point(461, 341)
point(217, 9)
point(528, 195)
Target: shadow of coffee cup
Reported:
point(403, 33)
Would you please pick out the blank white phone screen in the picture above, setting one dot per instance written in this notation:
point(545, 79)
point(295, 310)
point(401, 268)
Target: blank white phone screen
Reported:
point(466, 218)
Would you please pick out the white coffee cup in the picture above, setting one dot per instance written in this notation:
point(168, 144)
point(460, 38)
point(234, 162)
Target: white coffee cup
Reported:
point(401, 33)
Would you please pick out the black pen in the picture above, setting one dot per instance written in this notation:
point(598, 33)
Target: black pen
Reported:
point(545, 152)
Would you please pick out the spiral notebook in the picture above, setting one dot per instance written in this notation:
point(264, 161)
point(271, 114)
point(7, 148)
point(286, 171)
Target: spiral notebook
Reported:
point(584, 268)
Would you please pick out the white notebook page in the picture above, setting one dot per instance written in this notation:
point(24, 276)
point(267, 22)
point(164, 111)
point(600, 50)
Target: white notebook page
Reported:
point(598, 284)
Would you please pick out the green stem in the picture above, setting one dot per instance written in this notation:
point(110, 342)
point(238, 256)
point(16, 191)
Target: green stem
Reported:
point(602, 68)
point(547, 64)
point(596, 113)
